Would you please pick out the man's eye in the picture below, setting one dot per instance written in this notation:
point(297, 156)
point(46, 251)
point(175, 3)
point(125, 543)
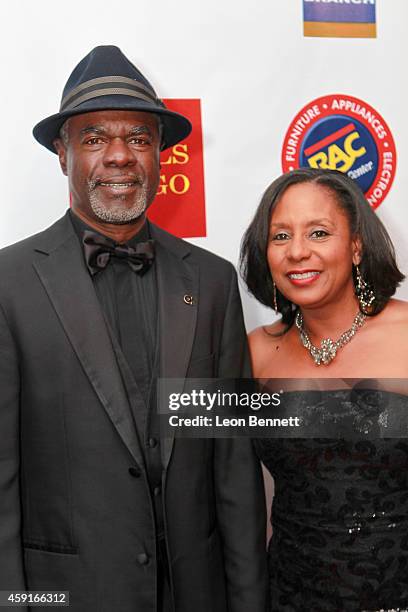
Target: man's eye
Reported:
point(94, 140)
point(139, 140)
point(280, 236)
point(319, 234)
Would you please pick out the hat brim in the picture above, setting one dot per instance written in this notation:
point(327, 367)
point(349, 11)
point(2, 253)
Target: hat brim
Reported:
point(176, 127)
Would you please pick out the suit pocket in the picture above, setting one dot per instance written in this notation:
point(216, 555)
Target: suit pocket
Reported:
point(203, 367)
point(46, 570)
point(57, 549)
point(46, 482)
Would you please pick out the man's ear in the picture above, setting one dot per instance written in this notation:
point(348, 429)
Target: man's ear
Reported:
point(357, 250)
point(62, 154)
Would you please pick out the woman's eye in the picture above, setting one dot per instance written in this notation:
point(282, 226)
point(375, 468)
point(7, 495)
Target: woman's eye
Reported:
point(280, 236)
point(319, 234)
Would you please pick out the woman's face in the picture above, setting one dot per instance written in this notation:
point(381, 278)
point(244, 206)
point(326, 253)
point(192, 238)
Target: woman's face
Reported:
point(311, 250)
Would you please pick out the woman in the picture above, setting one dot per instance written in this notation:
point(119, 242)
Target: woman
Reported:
point(318, 254)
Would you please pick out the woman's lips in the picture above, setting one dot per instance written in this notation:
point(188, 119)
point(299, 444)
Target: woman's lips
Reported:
point(304, 277)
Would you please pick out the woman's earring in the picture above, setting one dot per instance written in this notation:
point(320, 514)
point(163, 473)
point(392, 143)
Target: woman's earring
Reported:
point(364, 293)
point(275, 301)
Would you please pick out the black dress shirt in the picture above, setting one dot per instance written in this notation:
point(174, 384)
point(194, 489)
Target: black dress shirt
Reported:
point(129, 303)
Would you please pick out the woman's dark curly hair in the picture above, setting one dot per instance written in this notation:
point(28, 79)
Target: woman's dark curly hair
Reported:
point(378, 266)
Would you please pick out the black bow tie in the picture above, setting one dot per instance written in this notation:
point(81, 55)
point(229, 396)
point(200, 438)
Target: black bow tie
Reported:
point(99, 249)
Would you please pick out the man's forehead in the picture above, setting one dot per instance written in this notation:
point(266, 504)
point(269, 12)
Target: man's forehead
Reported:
point(107, 119)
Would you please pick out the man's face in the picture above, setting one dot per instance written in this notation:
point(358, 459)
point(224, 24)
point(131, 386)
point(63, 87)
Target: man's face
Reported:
point(112, 162)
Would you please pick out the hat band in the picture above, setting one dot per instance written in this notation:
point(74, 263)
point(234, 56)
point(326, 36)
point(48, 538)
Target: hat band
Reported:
point(107, 92)
point(103, 86)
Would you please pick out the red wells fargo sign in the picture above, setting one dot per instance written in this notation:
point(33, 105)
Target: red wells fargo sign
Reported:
point(179, 206)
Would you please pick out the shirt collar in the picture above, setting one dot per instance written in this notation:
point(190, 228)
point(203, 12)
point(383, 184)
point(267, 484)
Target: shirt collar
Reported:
point(80, 227)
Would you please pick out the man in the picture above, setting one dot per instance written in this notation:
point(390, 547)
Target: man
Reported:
point(92, 311)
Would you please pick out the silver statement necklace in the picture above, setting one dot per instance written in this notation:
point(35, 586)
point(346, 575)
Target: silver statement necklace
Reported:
point(328, 349)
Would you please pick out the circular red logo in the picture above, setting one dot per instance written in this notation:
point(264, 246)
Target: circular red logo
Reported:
point(343, 133)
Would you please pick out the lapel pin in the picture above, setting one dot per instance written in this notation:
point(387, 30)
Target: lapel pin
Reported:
point(188, 299)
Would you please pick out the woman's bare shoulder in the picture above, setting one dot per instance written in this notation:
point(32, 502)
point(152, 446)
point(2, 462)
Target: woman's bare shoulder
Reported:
point(399, 307)
point(264, 344)
point(395, 313)
point(266, 334)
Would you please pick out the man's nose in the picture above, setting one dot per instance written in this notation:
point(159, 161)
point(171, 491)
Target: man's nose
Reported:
point(298, 248)
point(118, 153)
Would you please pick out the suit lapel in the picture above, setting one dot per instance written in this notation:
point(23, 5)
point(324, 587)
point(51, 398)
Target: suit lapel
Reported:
point(178, 284)
point(62, 271)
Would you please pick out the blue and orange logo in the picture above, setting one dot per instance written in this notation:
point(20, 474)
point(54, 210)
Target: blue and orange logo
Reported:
point(346, 134)
point(339, 18)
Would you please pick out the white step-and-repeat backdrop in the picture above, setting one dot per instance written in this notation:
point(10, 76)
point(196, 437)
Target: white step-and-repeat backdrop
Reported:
point(268, 86)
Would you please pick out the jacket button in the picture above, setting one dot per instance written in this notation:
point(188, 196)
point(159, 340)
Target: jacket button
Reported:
point(157, 491)
point(143, 559)
point(134, 471)
point(152, 442)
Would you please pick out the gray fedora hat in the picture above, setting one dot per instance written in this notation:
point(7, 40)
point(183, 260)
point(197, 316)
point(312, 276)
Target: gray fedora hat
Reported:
point(106, 80)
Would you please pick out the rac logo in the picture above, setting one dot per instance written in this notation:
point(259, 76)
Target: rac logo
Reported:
point(341, 132)
point(328, 154)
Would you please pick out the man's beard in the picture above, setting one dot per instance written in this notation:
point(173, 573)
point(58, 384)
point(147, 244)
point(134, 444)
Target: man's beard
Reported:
point(117, 212)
